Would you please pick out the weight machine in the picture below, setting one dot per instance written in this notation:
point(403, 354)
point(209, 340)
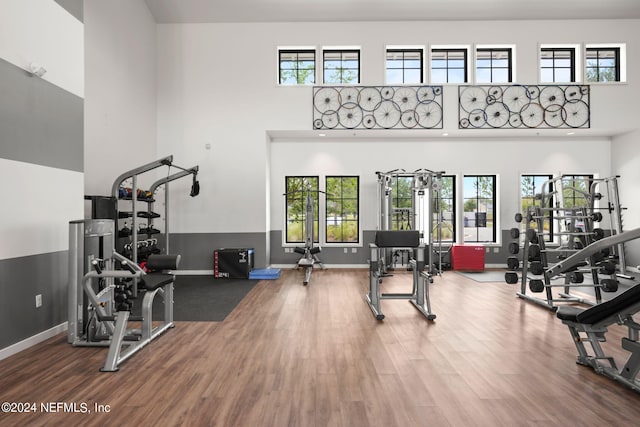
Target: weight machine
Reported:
point(422, 213)
point(96, 270)
point(419, 295)
point(309, 251)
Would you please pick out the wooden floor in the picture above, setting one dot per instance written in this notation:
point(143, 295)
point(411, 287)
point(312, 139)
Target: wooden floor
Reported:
point(291, 355)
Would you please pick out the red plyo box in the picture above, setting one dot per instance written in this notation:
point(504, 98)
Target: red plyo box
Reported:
point(467, 258)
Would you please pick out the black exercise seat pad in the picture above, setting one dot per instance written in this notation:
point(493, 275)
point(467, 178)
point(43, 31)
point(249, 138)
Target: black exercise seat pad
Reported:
point(602, 311)
point(163, 262)
point(154, 281)
point(398, 239)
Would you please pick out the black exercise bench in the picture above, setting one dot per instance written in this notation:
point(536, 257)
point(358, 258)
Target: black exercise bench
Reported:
point(592, 324)
point(419, 296)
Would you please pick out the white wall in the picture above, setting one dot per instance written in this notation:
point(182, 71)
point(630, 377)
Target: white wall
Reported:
point(625, 161)
point(41, 170)
point(38, 31)
point(50, 37)
point(217, 85)
point(41, 202)
point(120, 101)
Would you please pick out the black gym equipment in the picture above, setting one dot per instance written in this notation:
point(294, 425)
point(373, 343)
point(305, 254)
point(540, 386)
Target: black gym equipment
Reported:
point(419, 297)
point(590, 326)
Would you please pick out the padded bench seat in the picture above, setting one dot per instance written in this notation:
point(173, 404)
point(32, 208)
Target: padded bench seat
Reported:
point(157, 280)
point(603, 311)
point(588, 327)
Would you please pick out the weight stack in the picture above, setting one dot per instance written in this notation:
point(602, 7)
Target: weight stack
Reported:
point(232, 263)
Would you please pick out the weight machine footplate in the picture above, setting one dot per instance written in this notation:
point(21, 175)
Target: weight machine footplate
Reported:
point(396, 296)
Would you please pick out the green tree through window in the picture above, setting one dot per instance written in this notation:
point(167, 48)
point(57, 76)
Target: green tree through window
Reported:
point(342, 209)
point(297, 67)
point(479, 208)
point(531, 187)
point(341, 66)
point(602, 65)
point(296, 206)
point(402, 200)
point(445, 205)
point(575, 189)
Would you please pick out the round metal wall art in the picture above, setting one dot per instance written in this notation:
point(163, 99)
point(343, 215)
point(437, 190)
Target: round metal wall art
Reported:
point(523, 106)
point(377, 107)
point(479, 107)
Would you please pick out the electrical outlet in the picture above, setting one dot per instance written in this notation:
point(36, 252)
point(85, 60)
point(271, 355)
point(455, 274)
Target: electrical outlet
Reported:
point(496, 250)
point(345, 250)
point(354, 250)
point(38, 300)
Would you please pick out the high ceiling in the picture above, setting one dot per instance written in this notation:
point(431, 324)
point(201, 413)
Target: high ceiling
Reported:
point(200, 11)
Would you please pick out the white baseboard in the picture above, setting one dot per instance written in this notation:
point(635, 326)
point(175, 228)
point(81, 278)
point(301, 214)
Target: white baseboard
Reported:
point(193, 272)
point(31, 341)
point(282, 266)
point(496, 265)
point(335, 266)
point(293, 266)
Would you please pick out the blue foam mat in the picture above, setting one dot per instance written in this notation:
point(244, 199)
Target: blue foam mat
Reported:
point(265, 274)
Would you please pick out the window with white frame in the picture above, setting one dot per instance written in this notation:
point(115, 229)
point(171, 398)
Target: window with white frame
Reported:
point(444, 209)
point(531, 189)
point(575, 190)
point(494, 65)
point(557, 64)
point(404, 66)
point(296, 203)
point(338, 209)
point(605, 63)
point(297, 66)
point(341, 66)
point(449, 65)
point(479, 208)
point(342, 209)
point(402, 202)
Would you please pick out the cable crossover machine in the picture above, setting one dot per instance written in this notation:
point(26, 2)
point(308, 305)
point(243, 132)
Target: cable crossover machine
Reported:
point(309, 251)
point(414, 230)
point(420, 211)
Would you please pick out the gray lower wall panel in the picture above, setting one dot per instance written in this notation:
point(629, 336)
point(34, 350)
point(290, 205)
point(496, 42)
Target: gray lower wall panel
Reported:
point(197, 249)
point(329, 255)
point(21, 279)
point(631, 251)
point(496, 255)
point(40, 123)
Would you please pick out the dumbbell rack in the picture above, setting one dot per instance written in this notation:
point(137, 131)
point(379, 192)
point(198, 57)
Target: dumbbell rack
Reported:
point(149, 198)
point(536, 259)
